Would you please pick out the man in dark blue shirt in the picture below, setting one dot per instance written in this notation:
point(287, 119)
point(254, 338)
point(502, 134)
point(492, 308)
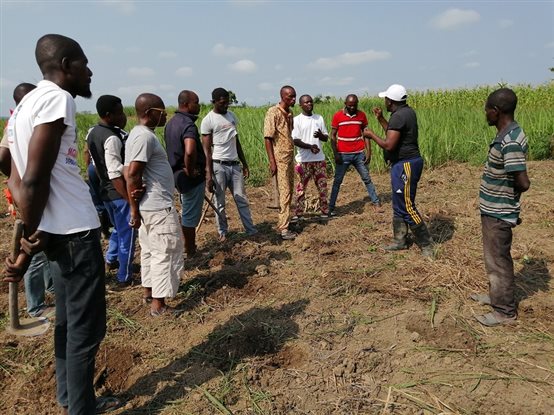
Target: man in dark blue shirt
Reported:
point(188, 162)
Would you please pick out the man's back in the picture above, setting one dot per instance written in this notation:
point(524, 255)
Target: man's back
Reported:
point(69, 208)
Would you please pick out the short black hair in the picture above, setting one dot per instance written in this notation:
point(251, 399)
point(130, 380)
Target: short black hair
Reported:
point(21, 90)
point(52, 48)
point(107, 104)
point(219, 93)
point(504, 99)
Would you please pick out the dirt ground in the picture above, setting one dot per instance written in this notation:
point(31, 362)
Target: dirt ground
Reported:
point(328, 323)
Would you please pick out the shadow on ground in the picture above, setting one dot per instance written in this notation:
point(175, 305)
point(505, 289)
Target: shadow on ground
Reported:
point(533, 277)
point(257, 332)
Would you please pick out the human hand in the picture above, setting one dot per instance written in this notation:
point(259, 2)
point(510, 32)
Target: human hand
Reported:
point(314, 148)
point(367, 159)
point(134, 221)
point(37, 242)
point(210, 184)
point(338, 159)
point(378, 112)
point(245, 171)
point(319, 134)
point(138, 193)
point(272, 168)
point(14, 271)
point(368, 133)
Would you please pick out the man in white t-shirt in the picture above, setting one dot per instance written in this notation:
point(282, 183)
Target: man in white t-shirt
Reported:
point(224, 157)
point(308, 133)
point(160, 237)
point(59, 216)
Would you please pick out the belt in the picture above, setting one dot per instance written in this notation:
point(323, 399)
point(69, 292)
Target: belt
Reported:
point(227, 163)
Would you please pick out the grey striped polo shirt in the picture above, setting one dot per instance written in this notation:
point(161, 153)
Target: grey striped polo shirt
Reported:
point(497, 196)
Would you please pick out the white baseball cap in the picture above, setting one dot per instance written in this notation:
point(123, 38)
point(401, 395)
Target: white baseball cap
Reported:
point(395, 92)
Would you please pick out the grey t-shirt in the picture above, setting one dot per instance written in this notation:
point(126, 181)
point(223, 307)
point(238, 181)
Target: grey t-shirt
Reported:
point(223, 128)
point(143, 145)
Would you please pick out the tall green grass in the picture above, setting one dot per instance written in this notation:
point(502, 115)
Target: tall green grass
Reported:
point(452, 125)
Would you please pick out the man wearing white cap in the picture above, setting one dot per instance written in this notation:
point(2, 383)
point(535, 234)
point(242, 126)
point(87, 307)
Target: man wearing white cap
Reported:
point(401, 145)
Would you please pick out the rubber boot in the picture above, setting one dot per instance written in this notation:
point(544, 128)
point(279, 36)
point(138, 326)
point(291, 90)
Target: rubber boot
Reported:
point(400, 232)
point(190, 241)
point(423, 240)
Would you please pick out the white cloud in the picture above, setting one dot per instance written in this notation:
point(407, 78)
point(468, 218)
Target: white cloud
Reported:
point(140, 72)
point(455, 18)
point(472, 65)
point(244, 66)
point(221, 49)
point(266, 86)
point(167, 54)
point(349, 58)
point(329, 81)
point(184, 71)
point(469, 53)
point(105, 49)
point(126, 7)
point(505, 23)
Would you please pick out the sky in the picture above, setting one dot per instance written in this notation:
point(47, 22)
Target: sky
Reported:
point(331, 48)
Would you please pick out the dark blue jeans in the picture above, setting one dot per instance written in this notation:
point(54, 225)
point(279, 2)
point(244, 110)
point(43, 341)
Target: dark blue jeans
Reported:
point(357, 160)
point(77, 268)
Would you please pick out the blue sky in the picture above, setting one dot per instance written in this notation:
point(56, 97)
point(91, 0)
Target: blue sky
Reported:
point(254, 47)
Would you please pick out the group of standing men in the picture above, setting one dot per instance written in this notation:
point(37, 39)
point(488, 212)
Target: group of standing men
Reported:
point(139, 178)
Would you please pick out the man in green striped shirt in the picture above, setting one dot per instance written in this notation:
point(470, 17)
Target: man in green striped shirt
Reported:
point(504, 179)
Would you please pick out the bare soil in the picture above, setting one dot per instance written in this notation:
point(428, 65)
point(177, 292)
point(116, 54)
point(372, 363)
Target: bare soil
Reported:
point(328, 323)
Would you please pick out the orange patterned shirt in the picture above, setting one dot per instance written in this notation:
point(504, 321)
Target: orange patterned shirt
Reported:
point(278, 126)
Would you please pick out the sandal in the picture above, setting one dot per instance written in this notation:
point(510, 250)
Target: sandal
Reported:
point(147, 299)
point(495, 318)
point(482, 299)
point(166, 311)
point(107, 404)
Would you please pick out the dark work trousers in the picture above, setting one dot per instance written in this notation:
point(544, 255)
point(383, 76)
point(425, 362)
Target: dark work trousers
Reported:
point(497, 243)
point(404, 176)
point(77, 269)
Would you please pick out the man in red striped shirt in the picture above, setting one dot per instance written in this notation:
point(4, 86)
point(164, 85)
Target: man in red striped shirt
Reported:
point(350, 148)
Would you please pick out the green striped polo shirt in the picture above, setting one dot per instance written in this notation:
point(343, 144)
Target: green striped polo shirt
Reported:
point(497, 196)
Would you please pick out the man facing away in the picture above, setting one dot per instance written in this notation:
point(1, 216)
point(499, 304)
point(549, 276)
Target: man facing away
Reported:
point(278, 125)
point(308, 133)
point(59, 216)
point(351, 148)
point(401, 144)
point(155, 216)
point(105, 143)
point(224, 157)
point(504, 180)
point(37, 278)
point(188, 163)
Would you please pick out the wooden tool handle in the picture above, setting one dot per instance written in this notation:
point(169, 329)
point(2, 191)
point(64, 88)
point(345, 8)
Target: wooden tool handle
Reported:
point(16, 239)
point(16, 246)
